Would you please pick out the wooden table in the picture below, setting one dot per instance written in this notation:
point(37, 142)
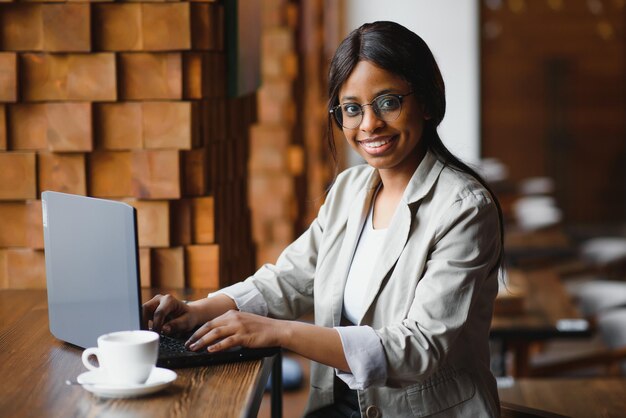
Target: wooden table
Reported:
point(548, 314)
point(584, 398)
point(34, 366)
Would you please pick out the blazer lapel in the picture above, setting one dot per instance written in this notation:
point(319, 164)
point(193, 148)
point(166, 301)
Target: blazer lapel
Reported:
point(356, 219)
point(398, 233)
point(395, 241)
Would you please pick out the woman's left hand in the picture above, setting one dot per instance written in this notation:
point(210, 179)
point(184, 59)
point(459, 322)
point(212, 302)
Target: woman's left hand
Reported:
point(235, 328)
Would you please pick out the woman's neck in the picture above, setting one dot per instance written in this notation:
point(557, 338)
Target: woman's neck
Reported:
point(394, 182)
point(396, 179)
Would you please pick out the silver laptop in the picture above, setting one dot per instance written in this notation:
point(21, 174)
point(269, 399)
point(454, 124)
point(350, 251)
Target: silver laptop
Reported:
point(92, 274)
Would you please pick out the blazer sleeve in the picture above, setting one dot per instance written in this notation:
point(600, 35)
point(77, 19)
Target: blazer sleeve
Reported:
point(287, 285)
point(464, 255)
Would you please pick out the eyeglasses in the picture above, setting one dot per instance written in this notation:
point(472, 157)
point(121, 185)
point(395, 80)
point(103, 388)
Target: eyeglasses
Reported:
point(386, 107)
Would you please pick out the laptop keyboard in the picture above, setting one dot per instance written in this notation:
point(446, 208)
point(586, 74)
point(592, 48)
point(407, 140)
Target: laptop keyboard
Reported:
point(170, 347)
point(173, 354)
point(173, 346)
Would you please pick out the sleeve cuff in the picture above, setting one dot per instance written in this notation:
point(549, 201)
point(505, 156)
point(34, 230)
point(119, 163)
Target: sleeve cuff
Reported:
point(246, 296)
point(365, 355)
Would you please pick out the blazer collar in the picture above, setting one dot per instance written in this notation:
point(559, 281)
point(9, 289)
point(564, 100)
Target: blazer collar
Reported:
point(423, 178)
point(397, 235)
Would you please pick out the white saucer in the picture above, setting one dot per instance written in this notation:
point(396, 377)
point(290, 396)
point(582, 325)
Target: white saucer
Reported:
point(95, 381)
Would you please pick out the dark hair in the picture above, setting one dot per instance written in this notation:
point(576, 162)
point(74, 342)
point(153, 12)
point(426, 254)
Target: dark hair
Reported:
point(400, 51)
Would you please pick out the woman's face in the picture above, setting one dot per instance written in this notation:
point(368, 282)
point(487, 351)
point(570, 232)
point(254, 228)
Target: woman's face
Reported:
point(385, 145)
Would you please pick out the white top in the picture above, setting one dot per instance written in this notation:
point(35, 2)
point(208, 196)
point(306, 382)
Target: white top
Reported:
point(361, 268)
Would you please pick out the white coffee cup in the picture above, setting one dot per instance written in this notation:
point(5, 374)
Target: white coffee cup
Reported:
point(127, 357)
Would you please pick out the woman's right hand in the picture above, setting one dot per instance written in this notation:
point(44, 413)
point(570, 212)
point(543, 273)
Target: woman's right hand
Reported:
point(169, 315)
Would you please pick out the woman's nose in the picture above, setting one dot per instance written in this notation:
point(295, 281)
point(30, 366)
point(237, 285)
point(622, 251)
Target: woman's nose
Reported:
point(370, 121)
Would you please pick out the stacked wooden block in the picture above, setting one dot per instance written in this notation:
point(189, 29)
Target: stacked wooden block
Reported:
point(321, 31)
point(275, 159)
point(125, 101)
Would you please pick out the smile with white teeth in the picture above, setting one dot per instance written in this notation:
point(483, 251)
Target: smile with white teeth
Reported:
point(376, 143)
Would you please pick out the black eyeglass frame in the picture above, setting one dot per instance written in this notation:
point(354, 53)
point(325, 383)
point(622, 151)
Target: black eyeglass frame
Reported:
point(375, 109)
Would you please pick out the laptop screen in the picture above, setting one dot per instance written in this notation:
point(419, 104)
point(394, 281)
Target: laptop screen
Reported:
point(92, 268)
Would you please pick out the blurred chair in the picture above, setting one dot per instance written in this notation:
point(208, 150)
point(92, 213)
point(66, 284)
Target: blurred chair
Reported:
point(534, 235)
point(604, 250)
point(492, 170)
point(594, 295)
point(536, 212)
point(600, 284)
point(600, 296)
point(598, 257)
point(536, 186)
point(536, 208)
point(606, 357)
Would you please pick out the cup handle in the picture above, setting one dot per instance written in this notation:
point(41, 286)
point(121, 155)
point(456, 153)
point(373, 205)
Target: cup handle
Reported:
point(92, 351)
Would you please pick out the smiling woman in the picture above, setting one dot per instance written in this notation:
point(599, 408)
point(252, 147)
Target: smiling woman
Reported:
point(388, 140)
point(400, 267)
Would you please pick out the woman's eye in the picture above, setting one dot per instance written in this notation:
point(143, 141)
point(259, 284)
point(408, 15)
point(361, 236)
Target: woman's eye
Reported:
point(351, 109)
point(387, 103)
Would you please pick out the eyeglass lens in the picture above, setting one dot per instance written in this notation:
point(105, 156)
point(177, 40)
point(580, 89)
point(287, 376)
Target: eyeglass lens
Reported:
point(386, 107)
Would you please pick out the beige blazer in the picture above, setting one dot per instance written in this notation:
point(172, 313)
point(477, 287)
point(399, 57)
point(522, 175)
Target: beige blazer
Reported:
point(431, 299)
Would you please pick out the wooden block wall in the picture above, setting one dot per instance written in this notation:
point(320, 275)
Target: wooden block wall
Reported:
point(22, 268)
point(125, 101)
point(272, 192)
point(322, 31)
point(290, 164)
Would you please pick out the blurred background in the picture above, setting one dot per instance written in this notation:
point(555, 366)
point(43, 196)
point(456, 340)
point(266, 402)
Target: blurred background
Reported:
point(210, 118)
